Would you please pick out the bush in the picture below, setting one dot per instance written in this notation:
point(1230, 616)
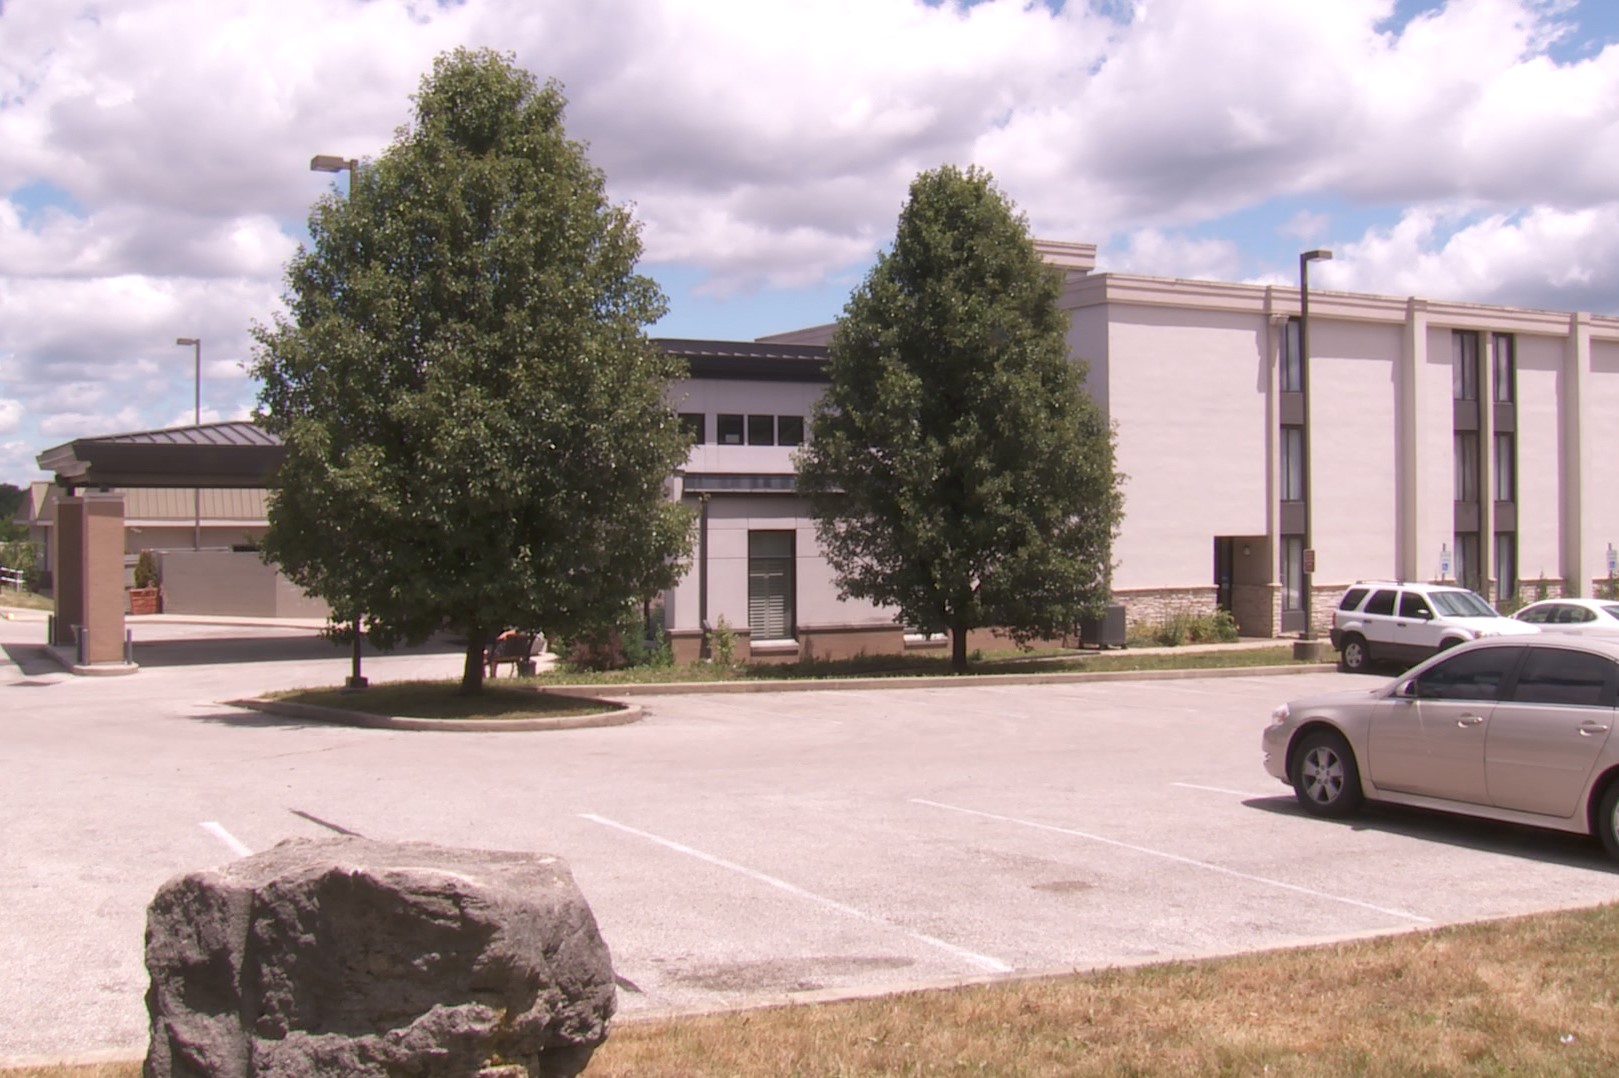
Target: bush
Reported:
point(635, 639)
point(146, 570)
point(1187, 627)
point(722, 643)
point(23, 556)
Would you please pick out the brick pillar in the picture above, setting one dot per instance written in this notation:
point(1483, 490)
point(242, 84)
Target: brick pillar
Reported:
point(89, 579)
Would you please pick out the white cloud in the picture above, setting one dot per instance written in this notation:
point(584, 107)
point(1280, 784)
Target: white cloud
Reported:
point(10, 415)
point(771, 142)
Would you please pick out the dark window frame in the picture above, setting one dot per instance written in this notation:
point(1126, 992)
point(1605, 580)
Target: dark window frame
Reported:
point(729, 419)
point(696, 425)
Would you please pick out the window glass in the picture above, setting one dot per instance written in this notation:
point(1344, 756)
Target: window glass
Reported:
point(1467, 567)
point(1535, 615)
point(1413, 605)
point(1506, 565)
point(1292, 374)
point(1578, 615)
point(789, 430)
point(1466, 466)
point(1292, 572)
point(770, 585)
point(1464, 365)
point(1611, 611)
point(1506, 478)
point(1382, 602)
point(1472, 675)
point(761, 430)
point(728, 429)
point(1352, 598)
point(694, 424)
point(1505, 368)
point(1463, 604)
point(1556, 676)
point(1292, 464)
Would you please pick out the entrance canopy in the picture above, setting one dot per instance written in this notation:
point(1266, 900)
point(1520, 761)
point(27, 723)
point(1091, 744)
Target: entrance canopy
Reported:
point(236, 454)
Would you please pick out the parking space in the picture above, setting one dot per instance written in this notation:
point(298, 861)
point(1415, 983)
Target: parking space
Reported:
point(739, 848)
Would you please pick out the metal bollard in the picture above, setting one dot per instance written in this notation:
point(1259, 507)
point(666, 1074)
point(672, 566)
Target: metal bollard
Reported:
point(50, 629)
point(129, 646)
point(81, 639)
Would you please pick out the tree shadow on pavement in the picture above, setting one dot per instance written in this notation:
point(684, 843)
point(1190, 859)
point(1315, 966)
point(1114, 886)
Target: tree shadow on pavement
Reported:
point(218, 651)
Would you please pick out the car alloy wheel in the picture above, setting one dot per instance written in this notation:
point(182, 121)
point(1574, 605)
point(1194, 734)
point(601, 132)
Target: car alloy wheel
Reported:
point(1325, 777)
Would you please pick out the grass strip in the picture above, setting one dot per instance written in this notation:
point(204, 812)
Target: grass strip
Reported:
point(1532, 995)
point(924, 666)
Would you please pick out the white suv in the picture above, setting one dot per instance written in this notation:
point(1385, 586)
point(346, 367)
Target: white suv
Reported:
point(1395, 620)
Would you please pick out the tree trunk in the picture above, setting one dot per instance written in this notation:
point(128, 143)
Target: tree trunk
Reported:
point(958, 647)
point(472, 671)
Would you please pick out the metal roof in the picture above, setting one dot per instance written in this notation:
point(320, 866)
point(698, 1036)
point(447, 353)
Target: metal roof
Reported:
point(236, 454)
point(749, 361)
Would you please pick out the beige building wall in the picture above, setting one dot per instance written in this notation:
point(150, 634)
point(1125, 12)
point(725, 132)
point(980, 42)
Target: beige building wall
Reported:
point(1600, 457)
point(1541, 458)
point(231, 583)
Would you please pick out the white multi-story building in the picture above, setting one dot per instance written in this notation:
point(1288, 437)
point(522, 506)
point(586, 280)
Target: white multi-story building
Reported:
point(1439, 441)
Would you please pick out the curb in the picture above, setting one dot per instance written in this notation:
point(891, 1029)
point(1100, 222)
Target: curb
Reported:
point(623, 715)
point(682, 688)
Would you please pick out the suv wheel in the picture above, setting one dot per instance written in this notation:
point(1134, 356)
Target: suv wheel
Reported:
point(1356, 656)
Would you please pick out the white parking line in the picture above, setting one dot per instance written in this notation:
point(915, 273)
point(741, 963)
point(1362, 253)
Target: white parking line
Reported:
point(1223, 790)
point(231, 842)
point(1402, 914)
point(994, 965)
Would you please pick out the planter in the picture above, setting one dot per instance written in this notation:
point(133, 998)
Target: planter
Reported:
point(145, 600)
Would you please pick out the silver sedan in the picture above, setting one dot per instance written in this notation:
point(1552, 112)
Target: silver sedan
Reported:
point(1510, 728)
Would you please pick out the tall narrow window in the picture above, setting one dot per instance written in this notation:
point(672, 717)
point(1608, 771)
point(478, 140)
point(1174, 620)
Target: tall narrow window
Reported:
point(1292, 464)
point(1292, 572)
point(728, 429)
point(1505, 367)
point(1506, 565)
point(694, 424)
point(770, 585)
point(1466, 466)
point(1464, 365)
point(1506, 484)
point(789, 430)
point(1292, 372)
point(1467, 566)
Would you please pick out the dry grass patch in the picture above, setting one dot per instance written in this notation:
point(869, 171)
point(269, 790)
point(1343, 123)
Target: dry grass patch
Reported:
point(440, 700)
point(25, 600)
point(1530, 996)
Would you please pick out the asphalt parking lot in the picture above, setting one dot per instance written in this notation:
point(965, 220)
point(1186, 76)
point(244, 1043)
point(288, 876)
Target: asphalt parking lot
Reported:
point(736, 849)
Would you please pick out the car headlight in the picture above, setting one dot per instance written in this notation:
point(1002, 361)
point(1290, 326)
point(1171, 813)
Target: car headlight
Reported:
point(1279, 715)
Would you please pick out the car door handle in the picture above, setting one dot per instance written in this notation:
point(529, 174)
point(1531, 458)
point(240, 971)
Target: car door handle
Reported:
point(1590, 729)
point(1469, 720)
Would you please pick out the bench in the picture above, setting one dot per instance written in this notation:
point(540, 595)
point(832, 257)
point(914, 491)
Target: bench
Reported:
point(512, 647)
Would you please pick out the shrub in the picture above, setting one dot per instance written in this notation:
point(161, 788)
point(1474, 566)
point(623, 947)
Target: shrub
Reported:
point(722, 643)
point(1187, 627)
point(146, 570)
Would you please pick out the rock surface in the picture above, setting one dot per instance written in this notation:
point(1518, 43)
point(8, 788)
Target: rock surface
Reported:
point(352, 957)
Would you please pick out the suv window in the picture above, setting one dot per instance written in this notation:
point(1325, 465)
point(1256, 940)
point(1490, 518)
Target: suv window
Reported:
point(1555, 676)
point(1472, 675)
point(1463, 604)
point(1381, 602)
point(1413, 605)
point(1352, 598)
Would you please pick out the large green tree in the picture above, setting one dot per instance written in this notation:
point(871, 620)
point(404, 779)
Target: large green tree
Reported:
point(959, 471)
point(477, 435)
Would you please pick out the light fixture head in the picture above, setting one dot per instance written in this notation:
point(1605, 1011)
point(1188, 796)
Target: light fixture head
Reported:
point(328, 162)
point(1318, 255)
point(187, 340)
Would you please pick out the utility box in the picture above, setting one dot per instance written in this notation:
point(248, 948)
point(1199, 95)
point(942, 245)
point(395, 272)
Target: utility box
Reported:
point(1106, 631)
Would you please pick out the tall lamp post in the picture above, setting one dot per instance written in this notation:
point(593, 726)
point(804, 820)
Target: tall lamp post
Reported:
point(1308, 598)
point(327, 162)
point(196, 493)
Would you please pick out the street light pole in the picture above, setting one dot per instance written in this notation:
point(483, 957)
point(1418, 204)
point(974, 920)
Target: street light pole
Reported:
point(196, 420)
point(1308, 567)
point(326, 162)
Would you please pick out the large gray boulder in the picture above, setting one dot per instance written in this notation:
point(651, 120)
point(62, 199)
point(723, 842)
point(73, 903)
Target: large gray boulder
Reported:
point(351, 957)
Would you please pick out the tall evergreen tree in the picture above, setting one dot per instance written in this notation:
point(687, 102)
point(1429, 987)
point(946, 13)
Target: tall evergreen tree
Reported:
point(958, 469)
point(476, 429)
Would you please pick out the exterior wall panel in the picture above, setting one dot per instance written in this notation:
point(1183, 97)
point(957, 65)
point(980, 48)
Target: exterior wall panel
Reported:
point(1353, 419)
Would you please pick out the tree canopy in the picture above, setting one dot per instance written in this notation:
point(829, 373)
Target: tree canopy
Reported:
point(958, 469)
point(476, 427)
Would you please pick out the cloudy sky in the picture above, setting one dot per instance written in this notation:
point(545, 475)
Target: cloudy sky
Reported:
point(154, 154)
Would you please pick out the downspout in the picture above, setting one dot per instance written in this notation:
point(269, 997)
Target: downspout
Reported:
point(702, 574)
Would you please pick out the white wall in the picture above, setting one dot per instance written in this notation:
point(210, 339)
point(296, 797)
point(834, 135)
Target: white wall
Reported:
point(1353, 435)
point(1601, 458)
point(1541, 383)
point(1187, 389)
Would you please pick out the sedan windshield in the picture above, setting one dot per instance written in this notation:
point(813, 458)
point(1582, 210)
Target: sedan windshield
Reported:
point(1462, 604)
